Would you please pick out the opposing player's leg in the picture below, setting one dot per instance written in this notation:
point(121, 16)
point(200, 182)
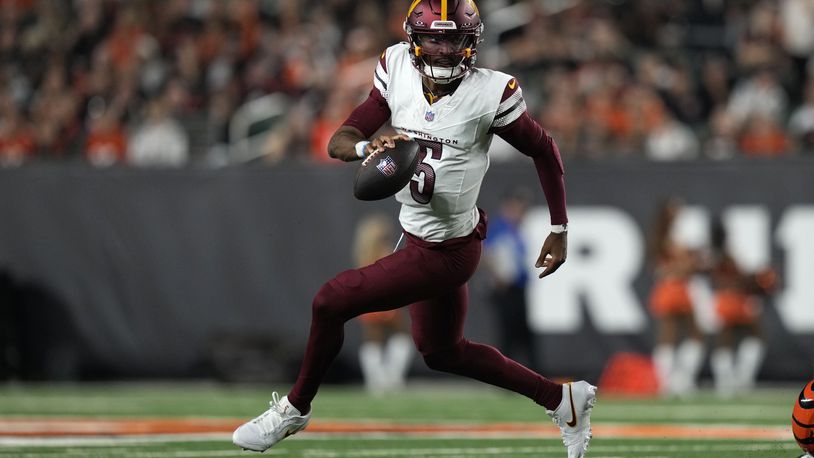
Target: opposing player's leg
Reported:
point(372, 362)
point(417, 271)
point(664, 362)
point(749, 359)
point(689, 358)
point(398, 354)
point(438, 333)
point(722, 362)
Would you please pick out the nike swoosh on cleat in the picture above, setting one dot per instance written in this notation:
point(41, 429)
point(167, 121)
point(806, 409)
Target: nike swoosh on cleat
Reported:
point(573, 421)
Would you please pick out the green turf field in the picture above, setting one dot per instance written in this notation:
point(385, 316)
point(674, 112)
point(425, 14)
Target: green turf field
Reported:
point(428, 404)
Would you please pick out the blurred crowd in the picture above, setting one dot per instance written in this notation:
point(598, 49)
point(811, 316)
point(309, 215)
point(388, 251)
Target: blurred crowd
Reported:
point(174, 82)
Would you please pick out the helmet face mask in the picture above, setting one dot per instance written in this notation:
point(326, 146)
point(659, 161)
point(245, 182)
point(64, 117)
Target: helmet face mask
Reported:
point(443, 37)
point(442, 42)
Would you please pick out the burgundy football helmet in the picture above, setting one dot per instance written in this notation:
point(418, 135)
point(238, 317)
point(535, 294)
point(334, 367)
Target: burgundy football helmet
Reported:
point(443, 37)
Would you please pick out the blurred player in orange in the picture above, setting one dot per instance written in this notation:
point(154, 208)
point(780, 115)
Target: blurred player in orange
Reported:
point(740, 345)
point(679, 350)
point(387, 348)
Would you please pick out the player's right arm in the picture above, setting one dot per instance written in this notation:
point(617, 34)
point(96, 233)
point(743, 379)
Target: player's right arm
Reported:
point(348, 143)
point(363, 122)
point(343, 144)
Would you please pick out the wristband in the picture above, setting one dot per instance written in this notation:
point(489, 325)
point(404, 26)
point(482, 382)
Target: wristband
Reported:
point(559, 228)
point(360, 148)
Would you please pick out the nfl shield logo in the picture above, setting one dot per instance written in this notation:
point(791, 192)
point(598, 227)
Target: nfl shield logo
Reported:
point(429, 116)
point(386, 166)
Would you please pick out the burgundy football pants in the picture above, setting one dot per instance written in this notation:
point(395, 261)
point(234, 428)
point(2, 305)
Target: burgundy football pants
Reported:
point(431, 279)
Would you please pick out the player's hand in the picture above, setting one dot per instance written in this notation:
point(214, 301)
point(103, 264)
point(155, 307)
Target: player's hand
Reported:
point(384, 142)
point(553, 254)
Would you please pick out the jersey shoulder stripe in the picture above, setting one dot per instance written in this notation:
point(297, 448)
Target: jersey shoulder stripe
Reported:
point(380, 77)
point(512, 105)
point(385, 65)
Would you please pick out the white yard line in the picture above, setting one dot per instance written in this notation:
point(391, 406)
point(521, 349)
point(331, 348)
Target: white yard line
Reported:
point(138, 454)
point(107, 441)
point(688, 410)
point(596, 451)
point(115, 447)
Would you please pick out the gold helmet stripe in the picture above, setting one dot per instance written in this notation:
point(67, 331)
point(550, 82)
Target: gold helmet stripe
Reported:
point(443, 10)
point(474, 7)
point(412, 7)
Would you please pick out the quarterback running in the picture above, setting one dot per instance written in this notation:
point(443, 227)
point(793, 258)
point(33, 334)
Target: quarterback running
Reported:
point(431, 92)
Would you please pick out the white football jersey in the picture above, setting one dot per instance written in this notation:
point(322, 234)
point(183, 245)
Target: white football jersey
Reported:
point(453, 136)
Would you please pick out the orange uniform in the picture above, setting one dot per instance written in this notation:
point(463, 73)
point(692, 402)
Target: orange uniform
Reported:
point(671, 292)
point(736, 302)
point(388, 316)
point(670, 296)
point(735, 307)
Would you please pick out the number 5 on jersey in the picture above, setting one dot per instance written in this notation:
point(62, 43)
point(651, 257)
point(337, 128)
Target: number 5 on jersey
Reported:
point(423, 183)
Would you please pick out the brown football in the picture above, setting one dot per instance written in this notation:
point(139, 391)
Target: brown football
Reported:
point(384, 173)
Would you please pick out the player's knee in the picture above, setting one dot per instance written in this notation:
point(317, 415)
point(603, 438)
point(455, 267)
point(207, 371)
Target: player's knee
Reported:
point(327, 303)
point(446, 360)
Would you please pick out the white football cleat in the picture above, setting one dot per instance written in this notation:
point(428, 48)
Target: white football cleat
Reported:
point(280, 421)
point(573, 416)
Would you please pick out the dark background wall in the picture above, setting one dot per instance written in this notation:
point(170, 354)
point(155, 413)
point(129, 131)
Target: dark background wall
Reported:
point(153, 273)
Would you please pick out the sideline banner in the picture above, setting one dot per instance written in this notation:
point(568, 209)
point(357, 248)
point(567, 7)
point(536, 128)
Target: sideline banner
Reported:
point(159, 268)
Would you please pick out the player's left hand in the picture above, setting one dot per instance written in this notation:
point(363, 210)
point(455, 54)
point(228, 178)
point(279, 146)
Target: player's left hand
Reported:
point(553, 253)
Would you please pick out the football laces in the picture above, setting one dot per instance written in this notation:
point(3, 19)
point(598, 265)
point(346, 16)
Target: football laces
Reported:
point(369, 158)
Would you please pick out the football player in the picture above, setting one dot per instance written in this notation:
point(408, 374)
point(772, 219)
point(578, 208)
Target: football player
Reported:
point(740, 343)
point(386, 350)
point(679, 350)
point(430, 90)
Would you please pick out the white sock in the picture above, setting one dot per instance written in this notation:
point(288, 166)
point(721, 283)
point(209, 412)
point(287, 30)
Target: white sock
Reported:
point(750, 357)
point(722, 361)
point(398, 355)
point(664, 359)
point(372, 363)
point(690, 355)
